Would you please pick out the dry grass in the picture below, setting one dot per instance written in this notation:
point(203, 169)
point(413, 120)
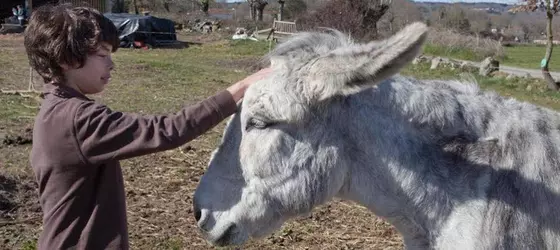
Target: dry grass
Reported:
point(446, 42)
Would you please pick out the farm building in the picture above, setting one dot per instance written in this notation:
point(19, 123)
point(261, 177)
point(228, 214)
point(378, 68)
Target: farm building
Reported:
point(7, 5)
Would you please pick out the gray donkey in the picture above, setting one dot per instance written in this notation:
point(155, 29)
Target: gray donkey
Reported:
point(449, 165)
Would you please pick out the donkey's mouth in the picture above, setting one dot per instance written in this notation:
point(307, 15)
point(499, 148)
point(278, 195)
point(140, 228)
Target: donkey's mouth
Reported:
point(227, 237)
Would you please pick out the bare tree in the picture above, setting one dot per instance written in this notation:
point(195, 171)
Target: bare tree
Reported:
point(204, 6)
point(281, 9)
point(135, 4)
point(257, 9)
point(260, 9)
point(550, 8)
point(479, 23)
point(399, 14)
point(118, 6)
point(293, 9)
point(371, 12)
point(452, 17)
point(356, 17)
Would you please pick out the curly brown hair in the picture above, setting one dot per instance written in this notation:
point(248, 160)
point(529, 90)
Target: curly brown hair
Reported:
point(63, 34)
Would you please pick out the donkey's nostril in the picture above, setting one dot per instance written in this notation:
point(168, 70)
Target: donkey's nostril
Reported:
point(197, 214)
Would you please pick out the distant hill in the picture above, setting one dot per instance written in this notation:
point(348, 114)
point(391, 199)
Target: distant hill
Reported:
point(492, 8)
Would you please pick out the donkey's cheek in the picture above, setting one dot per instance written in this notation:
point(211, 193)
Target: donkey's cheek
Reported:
point(264, 157)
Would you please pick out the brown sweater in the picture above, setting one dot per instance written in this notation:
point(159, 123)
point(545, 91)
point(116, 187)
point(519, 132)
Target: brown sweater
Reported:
point(77, 145)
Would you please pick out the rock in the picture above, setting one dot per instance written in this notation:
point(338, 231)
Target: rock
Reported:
point(421, 59)
point(499, 74)
point(468, 67)
point(452, 64)
point(488, 66)
point(511, 77)
point(529, 87)
point(206, 29)
point(435, 62)
point(527, 75)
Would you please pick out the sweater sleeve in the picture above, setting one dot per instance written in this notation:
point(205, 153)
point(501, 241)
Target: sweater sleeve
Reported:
point(106, 135)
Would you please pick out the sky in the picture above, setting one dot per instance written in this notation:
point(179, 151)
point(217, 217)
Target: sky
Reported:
point(448, 1)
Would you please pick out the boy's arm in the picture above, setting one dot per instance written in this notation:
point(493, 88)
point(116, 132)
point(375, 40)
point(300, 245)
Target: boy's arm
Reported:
point(103, 134)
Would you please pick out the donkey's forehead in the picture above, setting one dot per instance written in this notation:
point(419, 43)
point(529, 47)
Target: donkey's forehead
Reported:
point(274, 98)
point(280, 83)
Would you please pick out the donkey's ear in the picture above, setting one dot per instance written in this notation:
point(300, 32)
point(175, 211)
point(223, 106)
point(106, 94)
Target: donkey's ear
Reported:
point(346, 70)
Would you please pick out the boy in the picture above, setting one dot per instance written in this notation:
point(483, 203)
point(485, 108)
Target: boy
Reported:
point(77, 143)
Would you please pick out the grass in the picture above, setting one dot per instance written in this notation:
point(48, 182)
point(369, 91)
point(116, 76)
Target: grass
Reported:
point(159, 187)
point(452, 52)
point(524, 56)
point(530, 90)
point(530, 57)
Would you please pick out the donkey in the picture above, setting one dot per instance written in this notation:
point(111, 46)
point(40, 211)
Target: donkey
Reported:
point(448, 164)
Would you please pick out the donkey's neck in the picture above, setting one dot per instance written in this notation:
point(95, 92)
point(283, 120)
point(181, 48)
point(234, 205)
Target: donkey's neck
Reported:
point(407, 165)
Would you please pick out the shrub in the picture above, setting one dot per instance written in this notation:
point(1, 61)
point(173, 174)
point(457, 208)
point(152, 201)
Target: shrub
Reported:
point(357, 18)
point(446, 42)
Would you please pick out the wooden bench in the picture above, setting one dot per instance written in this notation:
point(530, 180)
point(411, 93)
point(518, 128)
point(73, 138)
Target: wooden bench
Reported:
point(280, 28)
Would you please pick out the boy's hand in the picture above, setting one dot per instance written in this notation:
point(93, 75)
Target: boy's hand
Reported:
point(237, 90)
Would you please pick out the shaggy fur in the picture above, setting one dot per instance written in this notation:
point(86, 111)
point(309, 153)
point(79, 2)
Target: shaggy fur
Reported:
point(449, 165)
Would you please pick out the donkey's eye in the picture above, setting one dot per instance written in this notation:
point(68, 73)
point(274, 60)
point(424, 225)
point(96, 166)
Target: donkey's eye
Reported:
point(255, 123)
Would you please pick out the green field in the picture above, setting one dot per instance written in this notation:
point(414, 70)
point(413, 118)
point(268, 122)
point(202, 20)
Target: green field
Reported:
point(530, 57)
point(526, 56)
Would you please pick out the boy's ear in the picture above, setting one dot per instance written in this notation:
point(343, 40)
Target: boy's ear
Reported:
point(64, 66)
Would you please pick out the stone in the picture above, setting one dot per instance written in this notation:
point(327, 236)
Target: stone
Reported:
point(488, 66)
point(420, 59)
point(435, 62)
point(468, 67)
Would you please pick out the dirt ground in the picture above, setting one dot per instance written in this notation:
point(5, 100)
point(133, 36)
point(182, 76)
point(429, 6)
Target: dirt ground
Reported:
point(159, 187)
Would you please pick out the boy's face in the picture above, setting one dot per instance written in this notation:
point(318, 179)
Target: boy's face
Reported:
point(96, 73)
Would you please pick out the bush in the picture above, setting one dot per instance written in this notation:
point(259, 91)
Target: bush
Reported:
point(356, 18)
point(446, 43)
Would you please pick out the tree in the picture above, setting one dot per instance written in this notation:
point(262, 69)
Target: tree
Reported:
point(118, 6)
point(291, 9)
point(371, 11)
point(399, 14)
point(550, 8)
point(480, 23)
point(453, 18)
point(257, 9)
point(204, 6)
point(281, 9)
point(358, 18)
